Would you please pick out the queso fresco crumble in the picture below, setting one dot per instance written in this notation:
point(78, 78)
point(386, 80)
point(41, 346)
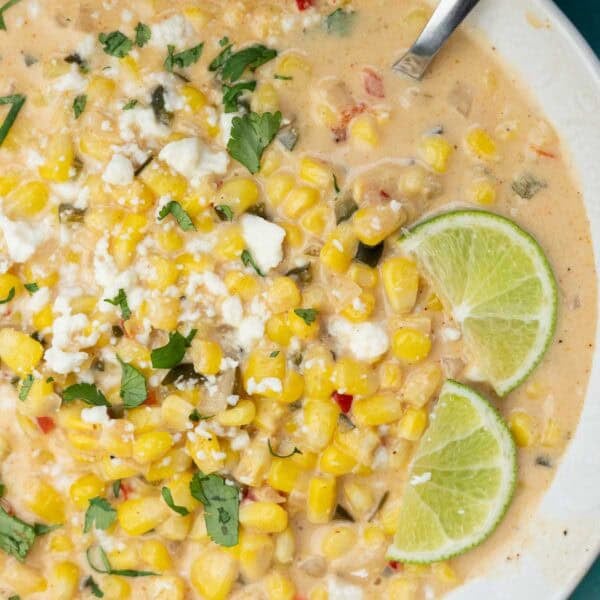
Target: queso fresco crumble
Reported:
point(216, 363)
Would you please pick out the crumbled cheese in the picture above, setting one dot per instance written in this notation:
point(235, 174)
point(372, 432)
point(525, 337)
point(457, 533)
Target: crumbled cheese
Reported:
point(365, 341)
point(193, 159)
point(119, 171)
point(264, 241)
point(174, 31)
point(86, 46)
point(22, 238)
point(232, 311)
point(95, 414)
point(63, 362)
point(71, 81)
point(225, 125)
point(143, 121)
point(250, 330)
point(338, 589)
point(240, 441)
point(267, 384)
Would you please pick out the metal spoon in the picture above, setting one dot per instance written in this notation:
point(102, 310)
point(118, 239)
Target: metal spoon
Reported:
point(448, 15)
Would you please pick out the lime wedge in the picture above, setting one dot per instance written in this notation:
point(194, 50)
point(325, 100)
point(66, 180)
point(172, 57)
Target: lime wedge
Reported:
point(461, 480)
point(498, 284)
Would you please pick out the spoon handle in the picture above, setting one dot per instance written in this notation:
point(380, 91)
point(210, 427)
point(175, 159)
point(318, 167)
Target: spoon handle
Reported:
point(448, 15)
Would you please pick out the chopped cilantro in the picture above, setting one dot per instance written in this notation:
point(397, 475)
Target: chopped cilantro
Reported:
point(274, 354)
point(94, 587)
point(3, 9)
point(273, 453)
point(17, 101)
point(233, 64)
point(16, 536)
point(131, 104)
point(282, 77)
point(224, 212)
point(75, 59)
point(308, 315)
point(99, 562)
point(166, 357)
point(195, 416)
point(120, 300)
point(116, 44)
point(250, 135)
point(336, 186)
point(87, 392)
point(116, 488)
point(248, 260)
point(11, 295)
point(79, 105)
point(232, 94)
point(100, 514)
point(182, 59)
point(32, 287)
point(175, 209)
point(26, 387)
point(143, 33)
point(168, 498)
point(133, 385)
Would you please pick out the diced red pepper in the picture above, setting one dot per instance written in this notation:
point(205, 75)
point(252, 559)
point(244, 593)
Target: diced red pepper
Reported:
point(305, 4)
point(394, 564)
point(340, 133)
point(373, 83)
point(344, 401)
point(541, 152)
point(46, 424)
point(125, 490)
point(151, 399)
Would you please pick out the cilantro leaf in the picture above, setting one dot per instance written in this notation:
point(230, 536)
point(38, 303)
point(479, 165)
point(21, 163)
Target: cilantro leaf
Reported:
point(133, 385)
point(116, 44)
point(116, 488)
point(79, 105)
point(273, 453)
point(175, 209)
point(340, 22)
point(232, 93)
point(171, 354)
point(232, 66)
point(168, 498)
point(99, 562)
point(224, 212)
point(308, 315)
point(16, 536)
point(131, 104)
point(222, 58)
point(195, 416)
point(274, 354)
point(99, 514)
point(32, 288)
point(11, 295)
point(250, 135)
point(248, 259)
point(41, 529)
point(3, 9)
point(26, 387)
point(17, 101)
point(94, 587)
point(183, 59)
point(87, 392)
point(120, 300)
point(143, 34)
point(221, 507)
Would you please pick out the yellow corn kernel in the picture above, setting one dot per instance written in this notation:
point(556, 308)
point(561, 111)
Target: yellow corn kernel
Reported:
point(191, 263)
point(264, 365)
point(46, 503)
point(318, 371)
point(131, 351)
point(43, 318)
point(321, 499)
point(402, 588)
point(98, 144)
point(360, 497)
point(377, 410)
point(316, 172)
point(338, 541)
point(139, 515)
point(161, 274)
point(522, 427)
point(151, 446)
point(293, 65)
point(361, 308)
point(116, 588)
point(266, 517)
point(363, 129)
point(145, 418)
point(60, 543)
point(294, 236)
point(483, 192)
point(230, 243)
point(293, 387)
point(163, 312)
point(163, 182)
point(284, 474)
point(84, 489)
point(175, 412)
point(335, 462)
point(100, 90)
point(278, 330)
point(552, 434)
point(339, 250)
point(20, 352)
point(283, 294)
point(401, 283)
point(180, 490)
point(175, 528)
point(193, 97)
point(390, 375)
point(270, 162)
point(444, 572)
point(373, 224)
point(41, 399)
point(299, 200)
point(389, 516)
point(363, 275)
point(278, 186)
point(27, 200)
point(242, 413)
point(8, 182)
point(413, 424)
point(169, 588)
point(137, 197)
point(242, 284)
point(205, 452)
point(254, 463)
point(118, 468)
point(64, 580)
point(255, 553)
point(207, 356)
point(320, 420)
point(155, 554)
point(279, 587)
point(411, 345)
point(60, 158)
point(435, 151)
point(22, 579)
point(265, 99)
point(285, 546)
point(354, 377)
point(421, 384)
point(481, 144)
point(239, 194)
point(373, 535)
point(197, 205)
point(124, 558)
point(213, 574)
point(412, 182)
point(300, 328)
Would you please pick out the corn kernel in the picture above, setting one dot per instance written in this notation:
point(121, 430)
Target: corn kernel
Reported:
point(163, 312)
point(265, 99)
point(193, 97)
point(483, 192)
point(377, 410)
point(335, 462)
point(412, 182)
point(176, 528)
point(266, 517)
point(241, 414)
point(293, 387)
point(20, 352)
point(401, 588)
point(413, 424)
point(116, 588)
point(256, 554)
point(354, 377)
point(46, 503)
point(299, 200)
point(241, 284)
point(60, 158)
point(162, 273)
point(363, 275)
point(522, 427)
point(27, 200)
point(338, 541)
point(254, 463)
point(278, 186)
point(84, 489)
point(284, 474)
point(481, 143)
point(239, 194)
point(285, 546)
point(283, 294)
point(363, 129)
point(278, 330)
point(435, 151)
point(279, 587)
point(373, 224)
point(293, 65)
point(300, 328)
point(421, 384)
point(338, 251)
point(444, 572)
point(22, 579)
point(163, 182)
point(64, 580)
point(321, 499)
point(316, 172)
point(360, 497)
point(411, 345)
point(175, 412)
point(151, 446)
point(361, 308)
point(213, 574)
point(155, 554)
point(60, 543)
point(207, 356)
point(139, 515)
point(206, 453)
point(401, 283)
point(320, 420)
point(262, 366)
point(230, 243)
point(318, 371)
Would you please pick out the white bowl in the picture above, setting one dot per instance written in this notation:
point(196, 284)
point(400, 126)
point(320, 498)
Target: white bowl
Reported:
point(564, 76)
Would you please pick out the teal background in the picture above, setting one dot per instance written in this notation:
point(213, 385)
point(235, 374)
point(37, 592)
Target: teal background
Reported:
point(585, 14)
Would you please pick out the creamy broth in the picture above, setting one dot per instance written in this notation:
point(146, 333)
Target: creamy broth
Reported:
point(83, 225)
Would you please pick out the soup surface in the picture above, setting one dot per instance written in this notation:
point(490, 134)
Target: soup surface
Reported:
point(226, 182)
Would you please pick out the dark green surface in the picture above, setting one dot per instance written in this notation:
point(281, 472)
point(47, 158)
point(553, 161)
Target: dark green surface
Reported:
point(585, 14)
